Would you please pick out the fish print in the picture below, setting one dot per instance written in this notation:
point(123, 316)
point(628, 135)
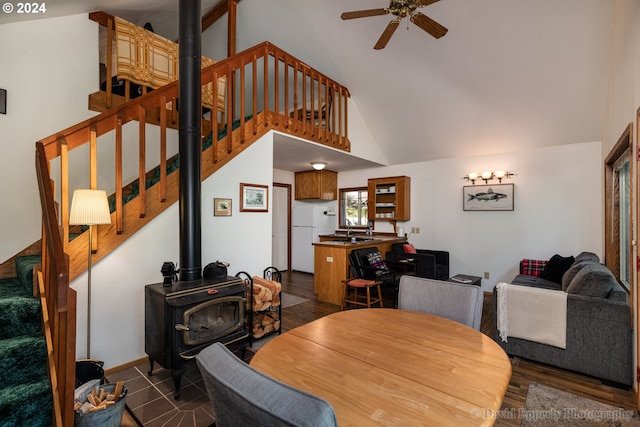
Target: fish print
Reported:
point(489, 195)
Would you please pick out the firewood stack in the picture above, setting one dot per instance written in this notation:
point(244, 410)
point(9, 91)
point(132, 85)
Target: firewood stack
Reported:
point(266, 294)
point(100, 399)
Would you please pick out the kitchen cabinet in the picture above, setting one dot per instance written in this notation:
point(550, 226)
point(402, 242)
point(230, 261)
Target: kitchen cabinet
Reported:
point(390, 198)
point(316, 185)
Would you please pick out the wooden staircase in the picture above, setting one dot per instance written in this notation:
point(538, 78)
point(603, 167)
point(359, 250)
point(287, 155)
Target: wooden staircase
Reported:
point(283, 92)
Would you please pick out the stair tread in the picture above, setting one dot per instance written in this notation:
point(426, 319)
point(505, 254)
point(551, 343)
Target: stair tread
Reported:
point(24, 268)
point(27, 404)
point(12, 287)
point(20, 316)
point(24, 360)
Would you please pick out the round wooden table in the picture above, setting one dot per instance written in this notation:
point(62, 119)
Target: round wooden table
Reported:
point(392, 367)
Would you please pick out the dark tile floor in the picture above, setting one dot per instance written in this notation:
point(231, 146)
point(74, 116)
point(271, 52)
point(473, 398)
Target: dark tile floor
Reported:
point(150, 401)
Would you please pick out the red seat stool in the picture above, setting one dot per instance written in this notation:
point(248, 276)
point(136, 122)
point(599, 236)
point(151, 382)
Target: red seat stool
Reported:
point(364, 300)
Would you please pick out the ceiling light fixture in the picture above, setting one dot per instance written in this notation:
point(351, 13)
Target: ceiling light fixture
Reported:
point(318, 165)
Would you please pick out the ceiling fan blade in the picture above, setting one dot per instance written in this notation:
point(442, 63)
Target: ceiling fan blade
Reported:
point(386, 35)
point(427, 2)
point(364, 13)
point(428, 24)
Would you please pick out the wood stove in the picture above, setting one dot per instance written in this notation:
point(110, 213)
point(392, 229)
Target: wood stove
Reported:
point(182, 318)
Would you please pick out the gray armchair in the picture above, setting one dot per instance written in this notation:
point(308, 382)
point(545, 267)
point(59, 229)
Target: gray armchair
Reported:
point(242, 396)
point(430, 264)
point(455, 301)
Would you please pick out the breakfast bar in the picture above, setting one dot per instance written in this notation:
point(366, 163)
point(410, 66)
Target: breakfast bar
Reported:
point(331, 261)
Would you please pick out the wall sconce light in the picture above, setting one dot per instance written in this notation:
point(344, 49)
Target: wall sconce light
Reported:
point(487, 176)
point(318, 165)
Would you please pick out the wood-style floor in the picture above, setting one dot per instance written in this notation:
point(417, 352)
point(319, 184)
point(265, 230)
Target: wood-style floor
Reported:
point(151, 403)
point(524, 372)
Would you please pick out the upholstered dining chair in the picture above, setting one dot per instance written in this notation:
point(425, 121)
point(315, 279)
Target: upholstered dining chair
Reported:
point(242, 396)
point(455, 301)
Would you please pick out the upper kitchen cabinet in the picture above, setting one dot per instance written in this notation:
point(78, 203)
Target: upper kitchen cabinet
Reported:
point(390, 198)
point(318, 185)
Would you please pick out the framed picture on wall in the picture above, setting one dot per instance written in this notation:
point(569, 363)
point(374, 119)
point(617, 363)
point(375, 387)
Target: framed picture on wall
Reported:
point(221, 207)
point(254, 198)
point(498, 197)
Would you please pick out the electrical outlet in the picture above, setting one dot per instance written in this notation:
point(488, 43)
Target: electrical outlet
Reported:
point(329, 259)
point(415, 230)
point(486, 274)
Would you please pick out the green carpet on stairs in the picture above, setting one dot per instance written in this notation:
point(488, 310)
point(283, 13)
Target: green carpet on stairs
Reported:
point(26, 405)
point(20, 316)
point(25, 390)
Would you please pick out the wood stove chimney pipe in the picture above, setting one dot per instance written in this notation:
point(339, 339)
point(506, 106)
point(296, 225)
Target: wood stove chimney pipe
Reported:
point(190, 141)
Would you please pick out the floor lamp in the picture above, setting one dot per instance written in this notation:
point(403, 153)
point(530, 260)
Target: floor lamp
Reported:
point(89, 207)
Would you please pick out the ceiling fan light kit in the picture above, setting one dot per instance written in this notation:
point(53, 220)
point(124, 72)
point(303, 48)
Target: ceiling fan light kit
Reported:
point(401, 9)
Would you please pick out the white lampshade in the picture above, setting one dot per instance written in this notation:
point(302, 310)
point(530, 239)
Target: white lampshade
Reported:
point(318, 165)
point(486, 175)
point(473, 176)
point(500, 174)
point(89, 207)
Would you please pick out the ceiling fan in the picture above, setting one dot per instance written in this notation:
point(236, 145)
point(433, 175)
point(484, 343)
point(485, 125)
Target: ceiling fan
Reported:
point(401, 9)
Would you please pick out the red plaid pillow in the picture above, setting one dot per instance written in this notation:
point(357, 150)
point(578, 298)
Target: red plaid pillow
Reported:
point(532, 267)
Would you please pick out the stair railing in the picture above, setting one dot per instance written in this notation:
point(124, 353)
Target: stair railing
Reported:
point(267, 89)
point(58, 302)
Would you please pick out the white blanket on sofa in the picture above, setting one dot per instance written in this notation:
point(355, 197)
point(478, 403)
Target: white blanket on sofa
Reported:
point(533, 314)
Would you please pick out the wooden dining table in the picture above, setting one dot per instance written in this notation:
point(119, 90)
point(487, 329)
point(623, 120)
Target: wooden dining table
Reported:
point(392, 368)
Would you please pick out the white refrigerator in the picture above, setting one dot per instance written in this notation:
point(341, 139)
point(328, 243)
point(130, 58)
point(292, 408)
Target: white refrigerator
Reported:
point(308, 222)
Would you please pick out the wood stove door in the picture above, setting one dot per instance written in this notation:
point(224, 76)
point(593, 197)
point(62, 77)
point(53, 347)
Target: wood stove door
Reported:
point(212, 320)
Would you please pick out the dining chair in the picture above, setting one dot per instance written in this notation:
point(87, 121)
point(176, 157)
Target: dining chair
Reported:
point(243, 396)
point(455, 301)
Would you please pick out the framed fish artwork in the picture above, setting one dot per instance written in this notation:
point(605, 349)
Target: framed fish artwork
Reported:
point(494, 197)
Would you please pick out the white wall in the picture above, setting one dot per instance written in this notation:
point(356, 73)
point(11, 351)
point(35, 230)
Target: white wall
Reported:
point(118, 280)
point(558, 208)
point(49, 67)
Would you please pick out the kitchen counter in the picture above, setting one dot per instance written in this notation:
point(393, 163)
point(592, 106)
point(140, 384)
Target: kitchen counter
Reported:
point(331, 262)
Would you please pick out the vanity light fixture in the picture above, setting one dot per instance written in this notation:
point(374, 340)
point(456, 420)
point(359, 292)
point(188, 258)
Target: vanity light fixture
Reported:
point(318, 165)
point(488, 176)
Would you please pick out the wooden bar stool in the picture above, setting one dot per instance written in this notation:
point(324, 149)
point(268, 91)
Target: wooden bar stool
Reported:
point(355, 284)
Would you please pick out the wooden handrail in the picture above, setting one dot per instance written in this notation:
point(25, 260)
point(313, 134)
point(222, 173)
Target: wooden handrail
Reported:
point(277, 81)
point(59, 301)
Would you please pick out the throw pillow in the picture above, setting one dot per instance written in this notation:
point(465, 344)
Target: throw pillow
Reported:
point(376, 261)
point(409, 248)
point(532, 267)
point(594, 280)
point(584, 258)
point(556, 267)
point(588, 256)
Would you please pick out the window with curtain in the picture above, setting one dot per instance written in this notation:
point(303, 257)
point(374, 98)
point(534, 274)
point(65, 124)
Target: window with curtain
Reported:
point(354, 207)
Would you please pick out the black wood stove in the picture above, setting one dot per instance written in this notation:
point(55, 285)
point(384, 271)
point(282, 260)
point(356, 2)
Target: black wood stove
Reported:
point(182, 318)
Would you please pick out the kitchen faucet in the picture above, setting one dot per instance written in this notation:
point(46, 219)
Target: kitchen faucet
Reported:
point(348, 227)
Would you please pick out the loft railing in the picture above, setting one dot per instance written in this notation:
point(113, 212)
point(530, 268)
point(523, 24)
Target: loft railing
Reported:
point(267, 89)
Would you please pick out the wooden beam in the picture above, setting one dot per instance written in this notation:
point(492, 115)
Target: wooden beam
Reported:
point(231, 29)
point(216, 13)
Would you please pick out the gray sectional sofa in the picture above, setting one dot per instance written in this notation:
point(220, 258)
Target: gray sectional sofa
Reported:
point(599, 328)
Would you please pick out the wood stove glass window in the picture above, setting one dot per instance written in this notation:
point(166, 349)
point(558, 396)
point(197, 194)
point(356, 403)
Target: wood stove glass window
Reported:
point(212, 320)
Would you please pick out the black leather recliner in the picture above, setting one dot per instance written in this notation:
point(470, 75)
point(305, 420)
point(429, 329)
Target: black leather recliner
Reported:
point(361, 268)
point(429, 264)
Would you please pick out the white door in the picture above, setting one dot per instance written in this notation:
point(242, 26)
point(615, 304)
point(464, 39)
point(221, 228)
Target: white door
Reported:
point(280, 237)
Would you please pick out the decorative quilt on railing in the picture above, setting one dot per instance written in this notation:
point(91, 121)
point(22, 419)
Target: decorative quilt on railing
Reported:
point(151, 60)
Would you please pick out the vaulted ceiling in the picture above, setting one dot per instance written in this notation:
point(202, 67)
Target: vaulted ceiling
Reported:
point(509, 75)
